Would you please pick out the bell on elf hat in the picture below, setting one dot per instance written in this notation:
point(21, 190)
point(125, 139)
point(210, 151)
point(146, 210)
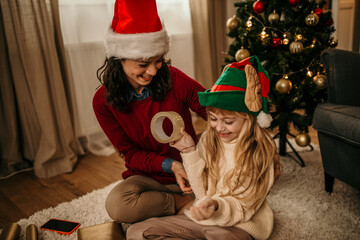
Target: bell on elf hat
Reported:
point(136, 31)
point(243, 87)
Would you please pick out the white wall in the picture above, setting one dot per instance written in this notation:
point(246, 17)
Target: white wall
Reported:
point(345, 14)
point(177, 19)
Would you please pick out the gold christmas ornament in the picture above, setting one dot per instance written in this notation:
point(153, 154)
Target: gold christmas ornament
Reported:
point(320, 81)
point(242, 54)
point(232, 23)
point(296, 47)
point(312, 19)
point(284, 85)
point(333, 43)
point(303, 139)
point(273, 17)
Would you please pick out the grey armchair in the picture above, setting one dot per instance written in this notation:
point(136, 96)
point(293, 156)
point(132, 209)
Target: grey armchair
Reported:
point(338, 120)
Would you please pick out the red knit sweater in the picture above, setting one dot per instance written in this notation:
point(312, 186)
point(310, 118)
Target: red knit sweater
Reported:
point(130, 132)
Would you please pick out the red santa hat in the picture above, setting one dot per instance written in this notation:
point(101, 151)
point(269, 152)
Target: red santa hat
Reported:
point(136, 31)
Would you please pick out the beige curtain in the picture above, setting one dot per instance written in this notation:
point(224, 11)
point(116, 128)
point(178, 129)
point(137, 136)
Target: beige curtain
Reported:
point(35, 110)
point(209, 29)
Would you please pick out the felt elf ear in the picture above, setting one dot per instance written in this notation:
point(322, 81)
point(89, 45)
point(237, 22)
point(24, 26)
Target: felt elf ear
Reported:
point(253, 99)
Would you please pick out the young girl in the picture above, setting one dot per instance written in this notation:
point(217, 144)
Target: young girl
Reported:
point(231, 170)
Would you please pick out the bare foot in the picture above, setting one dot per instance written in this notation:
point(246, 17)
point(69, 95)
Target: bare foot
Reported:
point(183, 201)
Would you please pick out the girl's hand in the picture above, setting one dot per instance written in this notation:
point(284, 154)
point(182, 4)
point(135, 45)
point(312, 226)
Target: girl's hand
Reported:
point(181, 176)
point(205, 210)
point(184, 143)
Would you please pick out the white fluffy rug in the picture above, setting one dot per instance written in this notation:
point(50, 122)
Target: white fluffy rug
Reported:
point(302, 208)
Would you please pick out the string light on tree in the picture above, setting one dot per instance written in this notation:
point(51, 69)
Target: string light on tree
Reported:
point(249, 22)
point(285, 40)
point(298, 37)
point(283, 85)
point(296, 97)
point(313, 43)
point(302, 139)
point(264, 35)
point(232, 23)
point(309, 73)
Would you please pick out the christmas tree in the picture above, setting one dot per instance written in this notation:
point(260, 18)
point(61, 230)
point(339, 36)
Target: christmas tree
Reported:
point(288, 36)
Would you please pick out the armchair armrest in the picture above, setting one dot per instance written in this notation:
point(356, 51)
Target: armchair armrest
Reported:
point(343, 76)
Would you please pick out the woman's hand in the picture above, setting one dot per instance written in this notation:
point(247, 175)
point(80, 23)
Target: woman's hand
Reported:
point(184, 143)
point(205, 210)
point(181, 176)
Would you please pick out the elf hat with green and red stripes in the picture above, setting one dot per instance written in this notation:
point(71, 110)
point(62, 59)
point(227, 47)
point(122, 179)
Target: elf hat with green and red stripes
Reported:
point(230, 89)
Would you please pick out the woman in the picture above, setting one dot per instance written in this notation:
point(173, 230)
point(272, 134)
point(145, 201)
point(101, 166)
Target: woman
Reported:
point(137, 84)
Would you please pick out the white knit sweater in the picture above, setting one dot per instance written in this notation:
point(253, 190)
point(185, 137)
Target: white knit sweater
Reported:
point(231, 211)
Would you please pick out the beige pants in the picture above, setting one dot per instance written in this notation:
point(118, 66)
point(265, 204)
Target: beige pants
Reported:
point(181, 227)
point(138, 198)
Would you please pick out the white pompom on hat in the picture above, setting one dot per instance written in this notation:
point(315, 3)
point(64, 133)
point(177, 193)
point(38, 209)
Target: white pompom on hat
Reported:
point(136, 31)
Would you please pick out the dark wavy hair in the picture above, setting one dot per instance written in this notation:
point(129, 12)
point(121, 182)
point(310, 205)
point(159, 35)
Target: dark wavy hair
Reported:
point(113, 77)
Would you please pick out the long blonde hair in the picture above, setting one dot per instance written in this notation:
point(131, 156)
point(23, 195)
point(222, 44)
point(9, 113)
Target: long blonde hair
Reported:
point(253, 157)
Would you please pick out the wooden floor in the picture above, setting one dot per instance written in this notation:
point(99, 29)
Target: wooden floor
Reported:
point(24, 194)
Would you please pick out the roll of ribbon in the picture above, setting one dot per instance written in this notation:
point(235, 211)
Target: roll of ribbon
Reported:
point(157, 126)
point(11, 232)
point(32, 232)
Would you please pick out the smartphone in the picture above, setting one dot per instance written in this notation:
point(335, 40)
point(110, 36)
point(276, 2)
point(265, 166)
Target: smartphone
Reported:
point(60, 226)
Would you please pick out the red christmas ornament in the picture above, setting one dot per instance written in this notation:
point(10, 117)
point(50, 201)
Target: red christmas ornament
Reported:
point(293, 3)
point(259, 6)
point(275, 42)
point(318, 11)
